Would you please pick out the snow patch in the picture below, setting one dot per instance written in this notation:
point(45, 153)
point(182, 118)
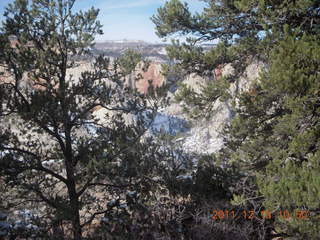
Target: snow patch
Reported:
point(172, 125)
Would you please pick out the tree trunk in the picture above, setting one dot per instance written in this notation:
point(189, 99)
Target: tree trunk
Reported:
point(74, 211)
point(71, 185)
point(74, 202)
point(76, 227)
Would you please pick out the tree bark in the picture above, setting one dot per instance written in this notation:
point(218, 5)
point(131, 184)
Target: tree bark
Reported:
point(71, 185)
point(76, 226)
point(74, 206)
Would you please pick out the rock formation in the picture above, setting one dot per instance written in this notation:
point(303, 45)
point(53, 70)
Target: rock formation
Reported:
point(205, 135)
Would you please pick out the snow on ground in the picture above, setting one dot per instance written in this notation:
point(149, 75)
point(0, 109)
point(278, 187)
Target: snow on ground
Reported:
point(172, 125)
point(204, 137)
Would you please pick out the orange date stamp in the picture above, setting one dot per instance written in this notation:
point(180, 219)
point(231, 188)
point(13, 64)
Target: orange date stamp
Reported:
point(219, 214)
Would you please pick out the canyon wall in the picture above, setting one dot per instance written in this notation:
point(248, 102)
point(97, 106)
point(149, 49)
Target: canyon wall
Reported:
point(202, 136)
point(205, 136)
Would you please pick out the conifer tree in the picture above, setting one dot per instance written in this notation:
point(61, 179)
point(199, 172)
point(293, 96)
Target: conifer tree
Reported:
point(242, 30)
point(274, 138)
point(65, 164)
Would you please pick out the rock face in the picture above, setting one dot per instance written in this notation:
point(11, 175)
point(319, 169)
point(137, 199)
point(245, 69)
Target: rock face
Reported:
point(151, 77)
point(140, 79)
point(195, 82)
point(164, 123)
point(205, 137)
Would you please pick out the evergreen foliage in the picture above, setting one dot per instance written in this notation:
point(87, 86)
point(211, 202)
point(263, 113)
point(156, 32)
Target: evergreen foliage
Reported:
point(243, 30)
point(273, 139)
point(67, 165)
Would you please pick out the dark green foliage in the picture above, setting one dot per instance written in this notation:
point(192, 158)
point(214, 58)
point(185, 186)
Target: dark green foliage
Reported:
point(275, 133)
point(273, 140)
point(244, 29)
point(236, 20)
point(60, 160)
point(212, 181)
point(209, 93)
point(129, 60)
point(292, 175)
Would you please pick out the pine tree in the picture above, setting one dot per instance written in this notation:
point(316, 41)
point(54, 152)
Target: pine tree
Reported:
point(274, 138)
point(244, 30)
point(291, 178)
point(61, 160)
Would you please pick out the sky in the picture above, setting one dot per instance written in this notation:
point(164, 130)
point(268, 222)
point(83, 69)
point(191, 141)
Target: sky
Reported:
point(124, 19)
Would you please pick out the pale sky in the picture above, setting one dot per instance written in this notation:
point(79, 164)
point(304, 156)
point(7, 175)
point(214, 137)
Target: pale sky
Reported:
point(124, 19)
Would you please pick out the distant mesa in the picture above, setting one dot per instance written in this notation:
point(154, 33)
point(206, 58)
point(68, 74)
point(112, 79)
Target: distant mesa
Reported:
point(156, 53)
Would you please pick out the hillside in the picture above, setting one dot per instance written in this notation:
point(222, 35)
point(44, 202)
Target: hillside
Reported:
point(215, 135)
